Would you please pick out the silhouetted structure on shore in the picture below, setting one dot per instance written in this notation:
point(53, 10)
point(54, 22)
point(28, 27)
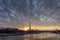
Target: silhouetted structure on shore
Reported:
point(13, 31)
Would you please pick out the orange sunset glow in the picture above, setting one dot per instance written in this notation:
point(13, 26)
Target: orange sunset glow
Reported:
point(39, 28)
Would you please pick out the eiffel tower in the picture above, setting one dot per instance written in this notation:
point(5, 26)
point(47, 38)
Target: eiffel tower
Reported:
point(30, 26)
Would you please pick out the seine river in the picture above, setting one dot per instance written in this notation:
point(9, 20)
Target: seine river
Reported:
point(41, 36)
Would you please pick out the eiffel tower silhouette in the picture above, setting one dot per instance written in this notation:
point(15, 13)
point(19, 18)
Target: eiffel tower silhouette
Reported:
point(30, 26)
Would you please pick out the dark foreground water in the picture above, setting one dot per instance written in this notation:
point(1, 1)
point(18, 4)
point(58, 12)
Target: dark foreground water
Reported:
point(41, 36)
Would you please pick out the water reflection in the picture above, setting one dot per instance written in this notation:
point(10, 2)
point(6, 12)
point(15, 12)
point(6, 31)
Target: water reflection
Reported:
point(42, 36)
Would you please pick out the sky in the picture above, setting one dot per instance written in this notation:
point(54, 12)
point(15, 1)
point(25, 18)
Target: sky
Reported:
point(41, 13)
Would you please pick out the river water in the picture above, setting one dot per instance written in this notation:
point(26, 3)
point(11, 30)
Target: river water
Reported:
point(41, 36)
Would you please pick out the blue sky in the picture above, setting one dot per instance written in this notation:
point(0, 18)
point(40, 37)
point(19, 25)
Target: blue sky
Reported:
point(14, 13)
